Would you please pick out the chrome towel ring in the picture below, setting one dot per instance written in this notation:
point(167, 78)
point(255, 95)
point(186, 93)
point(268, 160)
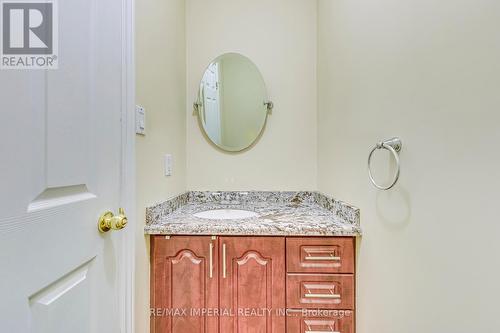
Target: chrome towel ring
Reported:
point(394, 145)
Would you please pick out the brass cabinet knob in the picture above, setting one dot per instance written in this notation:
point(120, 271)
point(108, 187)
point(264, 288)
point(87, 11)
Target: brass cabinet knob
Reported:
point(108, 221)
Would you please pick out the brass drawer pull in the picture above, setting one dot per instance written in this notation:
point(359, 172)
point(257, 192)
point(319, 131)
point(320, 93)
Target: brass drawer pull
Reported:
point(309, 295)
point(211, 273)
point(224, 261)
point(323, 258)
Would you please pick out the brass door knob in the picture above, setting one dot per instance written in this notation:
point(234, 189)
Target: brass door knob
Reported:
point(108, 221)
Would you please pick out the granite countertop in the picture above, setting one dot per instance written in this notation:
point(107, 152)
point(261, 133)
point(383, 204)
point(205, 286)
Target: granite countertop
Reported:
point(279, 213)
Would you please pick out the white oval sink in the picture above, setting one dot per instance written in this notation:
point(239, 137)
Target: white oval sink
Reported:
point(226, 214)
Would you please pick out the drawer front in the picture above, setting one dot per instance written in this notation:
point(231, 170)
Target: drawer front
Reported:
point(325, 291)
point(320, 255)
point(330, 321)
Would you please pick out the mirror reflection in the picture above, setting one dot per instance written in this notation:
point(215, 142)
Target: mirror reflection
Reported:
point(232, 102)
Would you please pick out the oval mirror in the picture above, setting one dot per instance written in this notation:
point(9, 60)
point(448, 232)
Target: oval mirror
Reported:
point(232, 103)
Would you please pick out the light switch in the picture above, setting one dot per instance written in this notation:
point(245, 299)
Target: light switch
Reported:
point(168, 164)
point(140, 120)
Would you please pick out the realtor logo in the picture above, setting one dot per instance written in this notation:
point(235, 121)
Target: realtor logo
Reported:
point(29, 34)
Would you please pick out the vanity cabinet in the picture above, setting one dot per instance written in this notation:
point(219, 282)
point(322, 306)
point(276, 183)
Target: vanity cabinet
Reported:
point(252, 284)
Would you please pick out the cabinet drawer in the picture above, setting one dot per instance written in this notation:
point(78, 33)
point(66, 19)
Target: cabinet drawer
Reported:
point(325, 291)
point(331, 321)
point(320, 255)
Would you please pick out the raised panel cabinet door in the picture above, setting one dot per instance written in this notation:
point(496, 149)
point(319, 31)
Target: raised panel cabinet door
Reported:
point(252, 284)
point(184, 284)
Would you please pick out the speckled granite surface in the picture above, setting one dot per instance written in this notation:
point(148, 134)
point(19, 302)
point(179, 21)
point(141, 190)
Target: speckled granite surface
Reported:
point(279, 213)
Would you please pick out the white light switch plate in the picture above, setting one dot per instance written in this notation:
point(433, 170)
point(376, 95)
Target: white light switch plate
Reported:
point(169, 161)
point(140, 120)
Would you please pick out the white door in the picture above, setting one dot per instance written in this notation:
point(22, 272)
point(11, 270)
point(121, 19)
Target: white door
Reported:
point(211, 103)
point(61, 152)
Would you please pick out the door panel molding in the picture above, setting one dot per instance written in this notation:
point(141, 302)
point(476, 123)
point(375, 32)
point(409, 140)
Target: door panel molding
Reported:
point(59, 196)
point(72, 290)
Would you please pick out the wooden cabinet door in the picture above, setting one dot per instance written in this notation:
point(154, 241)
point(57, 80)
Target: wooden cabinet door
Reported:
point(252, 284)
point(184, 282)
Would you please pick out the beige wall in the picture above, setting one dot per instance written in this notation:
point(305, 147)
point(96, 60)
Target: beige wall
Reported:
point(280, 37)
point(160, 70)
point(428, 71)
